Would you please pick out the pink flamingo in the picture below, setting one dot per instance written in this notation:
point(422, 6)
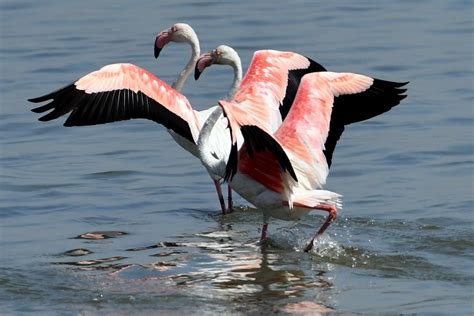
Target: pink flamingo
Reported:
point(184, 33)
point(283, 174)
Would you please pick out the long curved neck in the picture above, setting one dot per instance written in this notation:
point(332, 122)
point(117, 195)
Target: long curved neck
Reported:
point(189, 68)
point(214, 143)
point(206, 129)
point(237, 66)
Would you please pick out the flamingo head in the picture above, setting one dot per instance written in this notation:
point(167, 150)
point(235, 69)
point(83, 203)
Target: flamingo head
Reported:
point(221, 55)
point(178, 33)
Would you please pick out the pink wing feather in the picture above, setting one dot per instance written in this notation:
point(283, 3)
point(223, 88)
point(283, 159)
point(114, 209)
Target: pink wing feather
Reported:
point(263, 89)
point(121, 92)
point(306, 127)
point(304, 131)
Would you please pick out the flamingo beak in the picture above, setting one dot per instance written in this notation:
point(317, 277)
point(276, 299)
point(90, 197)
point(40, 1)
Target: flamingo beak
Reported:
point(205, 60)
point(161, 40)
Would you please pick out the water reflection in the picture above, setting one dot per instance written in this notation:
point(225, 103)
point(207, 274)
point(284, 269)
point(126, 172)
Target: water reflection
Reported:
point(262, 274)
point(214, 264)
point(225, 264)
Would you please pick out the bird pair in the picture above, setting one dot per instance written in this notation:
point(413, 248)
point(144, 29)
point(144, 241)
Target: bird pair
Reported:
point(272, 139)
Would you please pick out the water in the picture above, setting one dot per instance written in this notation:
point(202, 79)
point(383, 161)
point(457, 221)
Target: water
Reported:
point(402, 244)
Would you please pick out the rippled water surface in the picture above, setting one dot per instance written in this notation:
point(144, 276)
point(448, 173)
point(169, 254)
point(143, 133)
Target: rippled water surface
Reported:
point(117, 219)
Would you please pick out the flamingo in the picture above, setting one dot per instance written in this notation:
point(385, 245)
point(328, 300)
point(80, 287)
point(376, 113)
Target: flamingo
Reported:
point(184, 33)
point(281, 170)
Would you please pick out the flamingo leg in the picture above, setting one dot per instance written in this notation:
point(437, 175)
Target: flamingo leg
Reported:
point(230, 205)
point(221, 196)
point(331, 217)
point(264, 235)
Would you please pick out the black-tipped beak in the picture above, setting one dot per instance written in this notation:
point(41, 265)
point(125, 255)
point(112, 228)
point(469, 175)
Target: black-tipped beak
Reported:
point(157, 51)
point(161, 40)
point(205, 60)
point(197, 73)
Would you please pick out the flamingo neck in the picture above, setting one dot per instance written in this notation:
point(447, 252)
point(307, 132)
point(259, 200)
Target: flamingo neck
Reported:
point(189, 68)
point(237, 66)
point(214, 143)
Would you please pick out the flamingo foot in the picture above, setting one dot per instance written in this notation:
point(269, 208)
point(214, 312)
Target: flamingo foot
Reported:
point(331, 217)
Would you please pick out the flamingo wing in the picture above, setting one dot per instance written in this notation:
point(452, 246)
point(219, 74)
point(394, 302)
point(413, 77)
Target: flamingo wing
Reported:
point(294, 79)
point(273, 74)
point(379, 98)
point(263, 159)
point(257, 140)
point(305, 131)
point(119, 92)
point(268, 88)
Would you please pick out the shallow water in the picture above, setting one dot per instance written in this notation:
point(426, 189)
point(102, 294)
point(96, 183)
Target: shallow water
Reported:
point(402, 244)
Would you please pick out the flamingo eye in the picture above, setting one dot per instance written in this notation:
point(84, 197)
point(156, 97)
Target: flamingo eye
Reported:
point(174, 29)
point(218, 52)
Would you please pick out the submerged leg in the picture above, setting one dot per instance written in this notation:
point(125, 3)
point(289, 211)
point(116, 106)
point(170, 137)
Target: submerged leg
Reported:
point(230, 205)
point(221, 196)
point(331, 217)
point(264, 235)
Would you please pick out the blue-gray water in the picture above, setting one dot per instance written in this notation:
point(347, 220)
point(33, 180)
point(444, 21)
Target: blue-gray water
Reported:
point(403, 243)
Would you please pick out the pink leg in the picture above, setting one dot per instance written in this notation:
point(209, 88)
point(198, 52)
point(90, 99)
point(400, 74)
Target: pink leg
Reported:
point(221, 196)
point(331, 217)
point(229, 200)
point(264, 235)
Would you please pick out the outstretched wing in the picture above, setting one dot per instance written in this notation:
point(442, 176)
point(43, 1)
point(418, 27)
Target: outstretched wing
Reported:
point(305, 131)
point(119, 92)
point(379, 98)
point(303, 134)
point(268, 88)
